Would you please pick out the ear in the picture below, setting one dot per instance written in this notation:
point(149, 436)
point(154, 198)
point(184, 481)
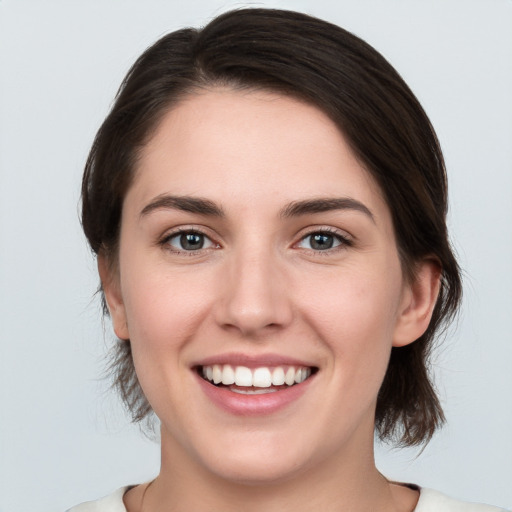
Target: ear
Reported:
point(417, 305)
point(111, 288)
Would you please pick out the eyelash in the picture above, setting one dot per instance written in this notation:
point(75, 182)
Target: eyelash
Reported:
point(187, 231)
point(343, 241)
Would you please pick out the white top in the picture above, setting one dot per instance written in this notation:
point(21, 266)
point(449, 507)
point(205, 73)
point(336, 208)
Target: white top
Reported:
point(430, 501)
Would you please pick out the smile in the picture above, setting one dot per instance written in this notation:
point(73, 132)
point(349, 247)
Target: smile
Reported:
point(254, 386)
point(244, 380)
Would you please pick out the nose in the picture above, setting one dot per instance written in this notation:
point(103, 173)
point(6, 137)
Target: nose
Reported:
point(255, 299)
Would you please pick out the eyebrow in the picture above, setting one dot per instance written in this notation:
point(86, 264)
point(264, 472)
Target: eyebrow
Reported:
point(184, 203)
point(208, 208)
point(309, 206)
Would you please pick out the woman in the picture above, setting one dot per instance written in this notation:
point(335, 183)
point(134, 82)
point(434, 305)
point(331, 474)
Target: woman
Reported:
point(267, 201)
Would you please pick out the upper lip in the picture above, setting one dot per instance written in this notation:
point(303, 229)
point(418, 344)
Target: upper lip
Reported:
point(252, 361)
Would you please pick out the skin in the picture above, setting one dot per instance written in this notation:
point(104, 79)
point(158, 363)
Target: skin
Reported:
point(259, 287)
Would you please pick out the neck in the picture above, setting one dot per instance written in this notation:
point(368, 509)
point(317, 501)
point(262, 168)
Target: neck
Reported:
point(343, 481)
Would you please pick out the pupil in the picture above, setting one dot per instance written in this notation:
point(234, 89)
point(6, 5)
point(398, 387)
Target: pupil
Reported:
point(191, 241)
point(322, 241)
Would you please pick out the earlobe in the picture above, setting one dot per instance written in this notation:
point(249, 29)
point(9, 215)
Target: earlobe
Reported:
point(418, 302)
point(113, 297)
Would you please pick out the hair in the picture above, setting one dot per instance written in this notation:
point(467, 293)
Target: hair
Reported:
point(324, 65)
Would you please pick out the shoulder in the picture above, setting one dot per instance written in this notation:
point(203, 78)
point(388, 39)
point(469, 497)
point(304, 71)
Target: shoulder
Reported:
point(111, 503)
point(435, 501)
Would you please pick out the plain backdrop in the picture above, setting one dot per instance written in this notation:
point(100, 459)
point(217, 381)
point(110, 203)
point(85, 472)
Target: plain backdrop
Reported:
point(64, 439)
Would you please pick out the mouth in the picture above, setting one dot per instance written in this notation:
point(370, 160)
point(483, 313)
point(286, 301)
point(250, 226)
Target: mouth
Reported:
point(255, 381)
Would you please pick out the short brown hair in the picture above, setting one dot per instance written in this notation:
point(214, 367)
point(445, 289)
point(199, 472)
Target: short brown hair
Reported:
point(320, 63)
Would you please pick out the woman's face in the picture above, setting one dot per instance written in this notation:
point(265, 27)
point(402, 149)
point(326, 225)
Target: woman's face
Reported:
point(254, 247)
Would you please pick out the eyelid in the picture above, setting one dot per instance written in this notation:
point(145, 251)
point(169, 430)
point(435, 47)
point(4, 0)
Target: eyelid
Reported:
point(345, 239)
point(189, 229)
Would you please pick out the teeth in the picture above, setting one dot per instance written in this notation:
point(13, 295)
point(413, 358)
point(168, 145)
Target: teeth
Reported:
point(290, 376)
point(278, 376)
point(217, 373)
point(243, 376)
point(252, 391)
point(263, 377)
point(228, 375)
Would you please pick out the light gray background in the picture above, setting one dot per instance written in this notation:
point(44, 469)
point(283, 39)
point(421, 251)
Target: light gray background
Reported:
point(63, 438)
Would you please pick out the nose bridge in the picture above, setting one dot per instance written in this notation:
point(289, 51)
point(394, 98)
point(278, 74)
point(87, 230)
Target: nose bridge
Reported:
point(254, 297)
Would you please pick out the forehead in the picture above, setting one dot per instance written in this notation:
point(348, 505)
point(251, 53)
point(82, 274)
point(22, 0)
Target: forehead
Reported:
point(250, 146)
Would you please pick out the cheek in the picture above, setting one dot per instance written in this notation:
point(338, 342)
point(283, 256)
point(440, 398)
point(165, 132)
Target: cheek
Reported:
point(162, 308)
point(163, 314)
point(355, 314)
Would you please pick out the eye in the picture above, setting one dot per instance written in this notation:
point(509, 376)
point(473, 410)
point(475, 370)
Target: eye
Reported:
point(188, 241)
point(322, 241)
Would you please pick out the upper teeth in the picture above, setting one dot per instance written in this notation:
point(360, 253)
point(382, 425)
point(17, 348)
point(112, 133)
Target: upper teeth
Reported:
point(262, 377)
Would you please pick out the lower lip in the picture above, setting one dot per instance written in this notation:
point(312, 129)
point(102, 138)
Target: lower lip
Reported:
point(253, 405)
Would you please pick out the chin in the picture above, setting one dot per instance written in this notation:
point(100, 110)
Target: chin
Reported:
point(260, 471)
point(254, 459)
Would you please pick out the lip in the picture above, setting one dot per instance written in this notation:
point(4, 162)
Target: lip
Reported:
point(252, 361)
point(253, 405)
